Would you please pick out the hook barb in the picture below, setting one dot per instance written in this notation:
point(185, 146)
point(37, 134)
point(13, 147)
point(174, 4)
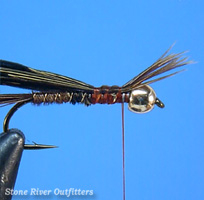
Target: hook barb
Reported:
point(6, 127)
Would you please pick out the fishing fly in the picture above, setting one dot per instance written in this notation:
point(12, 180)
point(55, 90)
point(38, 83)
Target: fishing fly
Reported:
point(50, 88)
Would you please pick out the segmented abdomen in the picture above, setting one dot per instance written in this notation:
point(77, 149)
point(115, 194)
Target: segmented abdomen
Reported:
point(65, 97)
point(102, 95)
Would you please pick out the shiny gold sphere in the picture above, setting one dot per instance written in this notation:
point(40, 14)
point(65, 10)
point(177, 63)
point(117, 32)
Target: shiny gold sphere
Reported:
point(142, 99)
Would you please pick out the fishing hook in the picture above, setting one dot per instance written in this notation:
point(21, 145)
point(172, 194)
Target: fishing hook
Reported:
point(34, 146)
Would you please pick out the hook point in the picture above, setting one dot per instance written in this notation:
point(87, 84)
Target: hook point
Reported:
point(38, 146)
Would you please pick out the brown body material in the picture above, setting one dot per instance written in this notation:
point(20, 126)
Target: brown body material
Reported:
point(109, 95)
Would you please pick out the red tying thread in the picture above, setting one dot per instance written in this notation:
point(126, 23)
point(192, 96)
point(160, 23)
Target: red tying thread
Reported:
point(94, 96)
point(108, 98)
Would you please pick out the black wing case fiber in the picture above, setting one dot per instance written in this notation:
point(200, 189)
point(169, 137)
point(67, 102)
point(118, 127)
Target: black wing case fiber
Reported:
point(17, 75)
